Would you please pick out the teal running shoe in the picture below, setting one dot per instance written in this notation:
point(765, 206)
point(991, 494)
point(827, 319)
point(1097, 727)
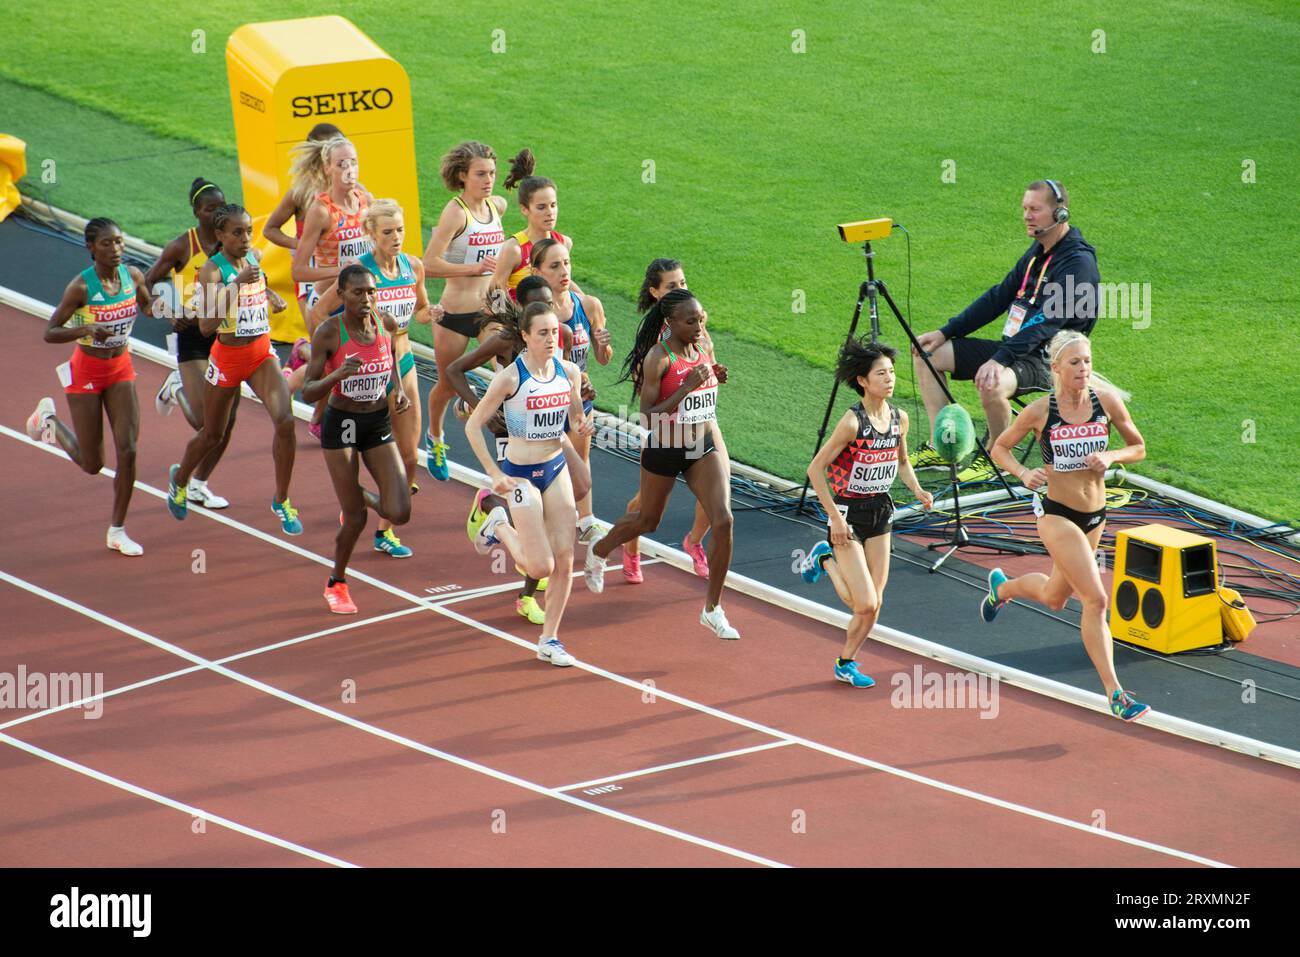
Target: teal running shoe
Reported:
point(177, 502)
point(990, 606)
point(390, 544)
point(437, 459)
point(288, 516)
point(811, 567)
point(1127, 708)
point(850, 674)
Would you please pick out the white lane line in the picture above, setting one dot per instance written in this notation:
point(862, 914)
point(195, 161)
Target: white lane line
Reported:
point(172, 803)
point(158, 679)
point(678, 699)
point(676, 764)
point(452, 598)
point(382, 732)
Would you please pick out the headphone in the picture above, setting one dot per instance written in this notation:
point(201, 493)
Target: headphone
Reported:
point(1062, 212)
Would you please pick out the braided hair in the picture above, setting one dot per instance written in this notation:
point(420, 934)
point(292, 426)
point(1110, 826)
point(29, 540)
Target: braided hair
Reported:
point(224, 214)
point(647, 334)
point(97, 226)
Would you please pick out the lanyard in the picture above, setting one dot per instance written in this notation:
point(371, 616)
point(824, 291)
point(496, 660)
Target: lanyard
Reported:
point(1024, 282)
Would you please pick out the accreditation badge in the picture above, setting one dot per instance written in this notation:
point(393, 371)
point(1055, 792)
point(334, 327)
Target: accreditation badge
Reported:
point(1015, 317)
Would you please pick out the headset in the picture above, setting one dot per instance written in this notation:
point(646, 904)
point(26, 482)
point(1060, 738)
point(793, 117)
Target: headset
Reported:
point(1062, 212)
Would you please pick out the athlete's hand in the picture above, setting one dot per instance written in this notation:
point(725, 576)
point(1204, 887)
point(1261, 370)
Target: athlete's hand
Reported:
point(930, 341)
point(100, 332)
point(504, 484)
point(350, 367)
point(248, 273)
point(432, 314)
point(401, 401)
point(1034, 479)
point(1098, 462)
point(601, 338)
point(839, 529)
point(277, 301)
point(586, 390)
point(588, 427)
point(487, 265)
point(720, 371)
point(926, 499)
point(698, 376)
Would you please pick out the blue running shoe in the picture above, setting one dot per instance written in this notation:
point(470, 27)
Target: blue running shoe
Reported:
point(990, 606)
point(851, 675)
point(386, 541)
point(1127, 708)
point(177, 502)
point(811, 567)
point(437, 458)
point(288, 516)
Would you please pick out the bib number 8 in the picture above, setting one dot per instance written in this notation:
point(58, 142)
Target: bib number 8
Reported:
point(519, 497)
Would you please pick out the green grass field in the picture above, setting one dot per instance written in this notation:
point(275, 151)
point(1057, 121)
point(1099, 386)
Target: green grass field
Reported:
point(759, 150)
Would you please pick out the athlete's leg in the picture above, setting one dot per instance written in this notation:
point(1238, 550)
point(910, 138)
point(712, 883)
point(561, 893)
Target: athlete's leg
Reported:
point(1073, 553)
point(393, 503)
point(268, 385)
point(123, 410)
point(343, 469)
point(217, 403)
point(557, 509)
point(857, 589)
point(84, 442)
point(448, 346)
point(655, 491)
point(707, 478)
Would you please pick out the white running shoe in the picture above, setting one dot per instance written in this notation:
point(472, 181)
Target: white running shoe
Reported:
point(165, 400)
point(486, 536)
point(198, 493)
point(594, 569)
point(550, 649)
point(39, 427)
point(593, 532)
point(119, 542)
point(716, 621)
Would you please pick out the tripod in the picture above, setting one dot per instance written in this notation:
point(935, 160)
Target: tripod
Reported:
point(867, 293)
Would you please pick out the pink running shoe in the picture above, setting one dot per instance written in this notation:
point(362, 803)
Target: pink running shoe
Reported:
point(632, 567)
point(295, 354)
point(697, 555)
point(314, 430)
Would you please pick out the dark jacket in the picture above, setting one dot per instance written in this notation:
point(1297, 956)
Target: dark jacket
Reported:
point(1052, 311)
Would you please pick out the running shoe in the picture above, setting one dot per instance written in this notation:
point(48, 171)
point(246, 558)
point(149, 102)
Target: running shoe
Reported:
point(541, 582)
point(337, 597)
point(486, 536)
point(550, 649)
point(716, 621)
point(200, 494)
point(165, 400)
point(119, 542)
point(314, 431)
point(632, 567)
point(437, 459)
point(593, 531)
point(850, 674)
point(593, 569)
point(414, 488)
point(288, 516)
point(527, 607)
point(978, 471)
point(386, 541)
point(39, 426)
point(697, 556)
point(925, 457)
point(295, 354)
point(990, 606)
point(176, 497)
point(812, 568)
point(476, 514)
point(1127, 708)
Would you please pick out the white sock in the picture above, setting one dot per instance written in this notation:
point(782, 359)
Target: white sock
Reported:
point(117, 529)
point(200, 484)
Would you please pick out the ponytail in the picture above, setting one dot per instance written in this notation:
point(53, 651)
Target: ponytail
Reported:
point(648, 333)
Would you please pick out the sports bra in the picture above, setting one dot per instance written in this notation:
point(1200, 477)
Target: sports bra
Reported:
point(1065, 445)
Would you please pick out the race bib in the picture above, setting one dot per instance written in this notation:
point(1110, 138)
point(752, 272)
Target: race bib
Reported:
point(873, 471)
point(64, 372)
point(253, 316)
point(398, 302)
point(366, 386)
point(1038, 506)
point(502, 442)
point(518, 496)
point(353, 244)
point(212, 375)
point(1015, 318)
point(844, 513)
point(581, 346)
point(700, 405)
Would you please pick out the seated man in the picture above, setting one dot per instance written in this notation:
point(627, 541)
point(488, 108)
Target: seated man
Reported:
point(1041, 295)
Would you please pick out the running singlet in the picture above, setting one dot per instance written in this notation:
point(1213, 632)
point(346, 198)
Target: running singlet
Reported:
point(345, 241)
point(116, 312)
point(869, 464)
point(186, 279)
point(395, 296)
point(1065, 446)
point(699, 405)
point(526, 253)
point(580, 326)
point(370, 382)
point(537, 410)
point(253, 314)
point(477, 240)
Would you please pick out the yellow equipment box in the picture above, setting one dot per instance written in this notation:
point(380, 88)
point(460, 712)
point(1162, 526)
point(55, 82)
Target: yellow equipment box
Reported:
point(285, 77)
point(1165, 594)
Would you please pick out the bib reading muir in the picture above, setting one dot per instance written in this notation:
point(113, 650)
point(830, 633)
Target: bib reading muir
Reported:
point(537, 409)
point(1065, 445)
point(116, 313)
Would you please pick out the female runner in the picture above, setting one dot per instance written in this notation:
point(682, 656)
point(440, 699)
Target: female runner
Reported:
point(678, 385)
point(540, 208)
point(539, 393)
point(352, 366)
point(98, 311)
point(852, 474)
point(235, 304)
point(1072, 425)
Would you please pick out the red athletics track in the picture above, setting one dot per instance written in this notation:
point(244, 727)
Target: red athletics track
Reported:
point(455, 727)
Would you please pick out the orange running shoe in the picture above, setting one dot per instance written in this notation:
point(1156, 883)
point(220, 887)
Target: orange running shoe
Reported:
point(339, 600)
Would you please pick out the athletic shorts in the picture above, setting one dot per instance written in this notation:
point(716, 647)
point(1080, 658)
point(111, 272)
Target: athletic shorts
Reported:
point(1032, 372)
point(869, 516)
point(92, 375)
point(229, 366)
point(586, 410)
point(1086, 521)
point(369, 429)
point(671, 462)
point(465, 323)
point(191, 344)
point(542, 474)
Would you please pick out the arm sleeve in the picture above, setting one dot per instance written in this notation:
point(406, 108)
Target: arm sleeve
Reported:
point(1056, 312)
point(994, 302)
